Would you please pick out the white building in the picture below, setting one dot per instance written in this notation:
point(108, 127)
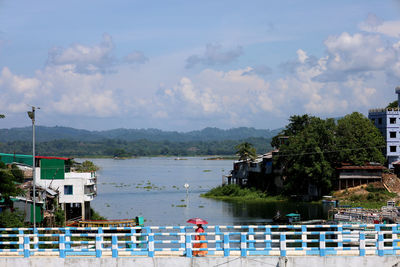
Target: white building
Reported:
point(387, 120)
point(77, 189)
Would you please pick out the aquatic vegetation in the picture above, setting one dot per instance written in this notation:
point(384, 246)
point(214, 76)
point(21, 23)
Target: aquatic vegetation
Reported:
point(206, 170)
point(201, 206)
point(181, 206)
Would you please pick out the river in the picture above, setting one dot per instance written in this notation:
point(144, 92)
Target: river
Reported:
point(154, 188)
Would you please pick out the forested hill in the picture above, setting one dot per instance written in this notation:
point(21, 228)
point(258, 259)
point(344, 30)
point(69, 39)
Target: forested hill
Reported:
point(46, 134)
point(63, 141)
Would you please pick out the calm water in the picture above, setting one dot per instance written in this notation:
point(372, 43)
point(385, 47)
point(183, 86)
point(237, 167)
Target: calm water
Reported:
point(154, 188)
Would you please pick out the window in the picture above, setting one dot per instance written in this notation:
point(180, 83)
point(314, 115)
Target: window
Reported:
point(380, 120)
point(68, 190)
point(392, 148)
point(392, 134)
point(392, 120)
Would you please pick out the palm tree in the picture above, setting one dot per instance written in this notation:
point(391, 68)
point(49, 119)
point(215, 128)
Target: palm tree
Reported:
point(246, 151)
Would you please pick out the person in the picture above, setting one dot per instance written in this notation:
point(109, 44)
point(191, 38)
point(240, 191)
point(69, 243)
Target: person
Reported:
point(200, 253)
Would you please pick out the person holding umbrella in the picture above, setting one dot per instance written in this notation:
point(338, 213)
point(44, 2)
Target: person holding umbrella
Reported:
point(199, 229)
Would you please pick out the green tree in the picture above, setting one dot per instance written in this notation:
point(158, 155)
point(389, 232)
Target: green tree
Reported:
point(246, 151)
point(7, 183)
point(358, 140)
point(296, 124)
point(87, 166)
point(305, 159)
point(393, 104)
point(2, 116)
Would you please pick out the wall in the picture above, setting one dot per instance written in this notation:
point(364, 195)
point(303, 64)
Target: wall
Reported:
point(310, 261)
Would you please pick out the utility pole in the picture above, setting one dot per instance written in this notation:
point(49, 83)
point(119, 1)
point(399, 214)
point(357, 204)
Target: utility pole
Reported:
point(31, 115)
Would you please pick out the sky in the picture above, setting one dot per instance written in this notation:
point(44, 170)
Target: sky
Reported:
point(187, 65)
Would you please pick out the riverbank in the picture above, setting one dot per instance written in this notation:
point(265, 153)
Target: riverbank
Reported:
point(372, 196)
point(237, 193)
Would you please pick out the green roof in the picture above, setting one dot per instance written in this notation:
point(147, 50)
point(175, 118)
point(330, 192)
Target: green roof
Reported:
point(10, 158)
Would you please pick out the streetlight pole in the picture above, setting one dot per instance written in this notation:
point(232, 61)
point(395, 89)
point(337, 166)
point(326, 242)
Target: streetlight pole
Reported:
point(31, 115)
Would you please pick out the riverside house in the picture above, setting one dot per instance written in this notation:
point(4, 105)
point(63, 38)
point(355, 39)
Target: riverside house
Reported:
point(76, 189)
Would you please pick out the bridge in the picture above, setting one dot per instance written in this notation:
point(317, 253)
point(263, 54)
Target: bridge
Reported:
point(279, 245)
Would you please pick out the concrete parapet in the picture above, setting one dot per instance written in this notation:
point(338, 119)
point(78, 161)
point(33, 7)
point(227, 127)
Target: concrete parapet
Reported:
point(309, 261)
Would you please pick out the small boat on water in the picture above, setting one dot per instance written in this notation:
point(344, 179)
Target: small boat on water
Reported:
point(288, 218)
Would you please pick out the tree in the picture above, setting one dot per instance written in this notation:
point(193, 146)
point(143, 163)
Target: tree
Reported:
point(305, 159)
point(296, 125)
point(393, 104)
point(246, 151)
point(358, 140)
point(2, 116)
point(87, 166)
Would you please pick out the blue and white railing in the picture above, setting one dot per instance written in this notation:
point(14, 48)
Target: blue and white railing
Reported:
point(249, 240)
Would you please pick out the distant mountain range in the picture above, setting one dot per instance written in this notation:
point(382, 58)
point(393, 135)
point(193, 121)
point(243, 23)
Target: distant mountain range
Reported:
point(44, 134)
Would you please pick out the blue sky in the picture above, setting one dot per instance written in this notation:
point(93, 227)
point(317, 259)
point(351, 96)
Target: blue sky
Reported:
point(186, 65)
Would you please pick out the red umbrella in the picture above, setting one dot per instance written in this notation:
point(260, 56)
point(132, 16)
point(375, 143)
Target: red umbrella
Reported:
point(197, 221)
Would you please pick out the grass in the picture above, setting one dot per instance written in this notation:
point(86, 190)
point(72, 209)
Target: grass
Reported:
point(235, 192)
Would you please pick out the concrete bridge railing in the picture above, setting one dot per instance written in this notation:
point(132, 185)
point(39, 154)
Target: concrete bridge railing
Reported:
point(248, 240)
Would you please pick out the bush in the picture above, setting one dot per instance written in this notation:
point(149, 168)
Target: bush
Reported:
point(234, 190)
point(11, 219)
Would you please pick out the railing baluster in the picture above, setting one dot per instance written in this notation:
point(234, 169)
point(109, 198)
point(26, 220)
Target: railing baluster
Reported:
point(243, 243)
point(226, 245)
point(151, 245)
point(322, 244)
point(362, 243)
point(26, 247)
point(282, 244)
point(114, 246)
point(61, 245)
point(188, 245)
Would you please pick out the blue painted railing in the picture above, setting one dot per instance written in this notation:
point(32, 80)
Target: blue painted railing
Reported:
point(248, 240)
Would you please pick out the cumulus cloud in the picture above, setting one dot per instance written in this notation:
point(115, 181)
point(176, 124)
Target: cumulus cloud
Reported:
point(135, 57)
point(214, 55)
point(85, 59)
point(17, 91)
point(357, 54)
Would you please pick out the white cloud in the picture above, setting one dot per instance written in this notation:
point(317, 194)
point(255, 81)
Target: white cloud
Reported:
point(85, 59)
point(18, 92)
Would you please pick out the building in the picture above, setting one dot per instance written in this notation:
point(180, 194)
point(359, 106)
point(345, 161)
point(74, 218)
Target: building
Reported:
point(351, 176)
point(76, 189)
point(387, 120)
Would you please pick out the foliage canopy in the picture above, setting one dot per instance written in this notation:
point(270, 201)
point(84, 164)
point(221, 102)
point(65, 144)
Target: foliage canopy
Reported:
point(316, 146)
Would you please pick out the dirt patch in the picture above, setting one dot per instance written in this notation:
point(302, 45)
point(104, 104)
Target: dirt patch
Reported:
point(392, 182)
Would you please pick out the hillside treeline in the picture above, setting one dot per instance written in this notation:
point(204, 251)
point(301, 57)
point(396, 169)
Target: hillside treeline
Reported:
point(122, 148)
